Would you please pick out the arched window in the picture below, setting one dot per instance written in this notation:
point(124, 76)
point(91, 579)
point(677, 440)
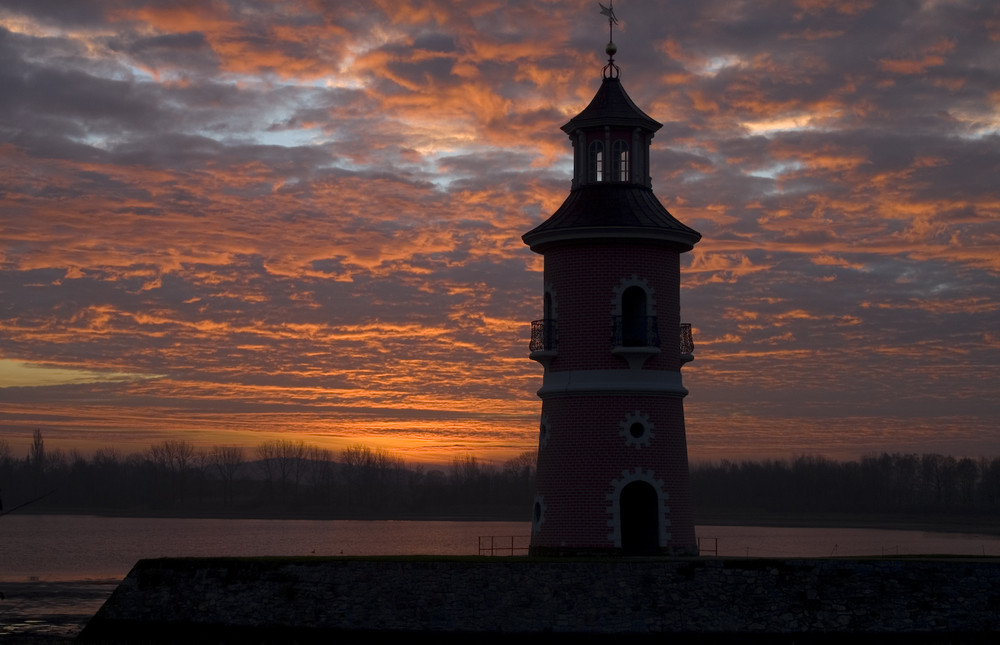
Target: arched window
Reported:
point(635, 324)
point(596, 161)
point(619, 159)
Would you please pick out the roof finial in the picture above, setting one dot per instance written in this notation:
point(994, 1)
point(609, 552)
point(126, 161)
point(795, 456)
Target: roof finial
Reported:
point(611, 69)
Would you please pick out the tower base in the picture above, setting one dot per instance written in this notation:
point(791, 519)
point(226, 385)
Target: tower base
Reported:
point(583, 552)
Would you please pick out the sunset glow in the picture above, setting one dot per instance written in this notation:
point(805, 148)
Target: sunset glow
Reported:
point(231, 221)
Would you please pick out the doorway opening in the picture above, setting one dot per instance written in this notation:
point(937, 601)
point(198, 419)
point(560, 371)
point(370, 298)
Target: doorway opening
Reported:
point(640, 521)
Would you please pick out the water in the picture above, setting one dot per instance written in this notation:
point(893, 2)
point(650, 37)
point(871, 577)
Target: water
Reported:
point(57, 570)
point(799, 542)
point(45, 548)
point(80, 547)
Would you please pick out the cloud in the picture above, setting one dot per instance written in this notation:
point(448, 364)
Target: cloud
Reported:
point(307, 218)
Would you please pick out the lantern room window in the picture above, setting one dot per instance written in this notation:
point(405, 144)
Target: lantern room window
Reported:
point(596, 161)
point(619, 157)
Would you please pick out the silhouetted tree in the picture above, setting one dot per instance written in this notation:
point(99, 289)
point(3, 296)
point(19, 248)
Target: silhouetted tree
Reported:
point(282, 462)
point(321, 474)
point(174, 458)
point(989, 485)
point(6, 463)
point(227, 461)
point(372, 477)
point(36, 460)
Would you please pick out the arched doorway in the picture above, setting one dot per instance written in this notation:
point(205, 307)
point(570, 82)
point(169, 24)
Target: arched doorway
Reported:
point(640, 519)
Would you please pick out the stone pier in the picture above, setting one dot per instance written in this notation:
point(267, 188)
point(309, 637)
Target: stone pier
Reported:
point(503, 599)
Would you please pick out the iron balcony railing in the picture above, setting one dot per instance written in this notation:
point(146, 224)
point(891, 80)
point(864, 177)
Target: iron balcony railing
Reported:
point(543, 335)
point(641, 331)
point(634, 331)
point(687, 340)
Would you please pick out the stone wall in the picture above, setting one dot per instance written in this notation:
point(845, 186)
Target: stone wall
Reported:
point(700, 598)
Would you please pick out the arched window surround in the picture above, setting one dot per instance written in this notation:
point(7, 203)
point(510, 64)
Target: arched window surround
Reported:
point(633, 281)
point(634, 314)
point(614, 504)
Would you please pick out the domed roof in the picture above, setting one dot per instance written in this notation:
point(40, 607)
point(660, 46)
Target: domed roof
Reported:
point(612, 211)
point(611, 106)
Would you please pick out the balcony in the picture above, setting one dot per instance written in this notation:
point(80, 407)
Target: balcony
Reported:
point(543, 335)
point(544, 340)
point(634, 331)
point(687, 343)
point(637, 338)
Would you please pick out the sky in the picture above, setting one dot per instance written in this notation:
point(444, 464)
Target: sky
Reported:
point(231, 221)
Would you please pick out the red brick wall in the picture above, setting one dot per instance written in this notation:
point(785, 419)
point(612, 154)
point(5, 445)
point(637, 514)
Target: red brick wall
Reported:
point(586, 452)
point(585, 278)
point(587, 456)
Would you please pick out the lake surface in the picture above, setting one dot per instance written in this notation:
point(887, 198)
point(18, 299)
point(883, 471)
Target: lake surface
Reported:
point(40, 548)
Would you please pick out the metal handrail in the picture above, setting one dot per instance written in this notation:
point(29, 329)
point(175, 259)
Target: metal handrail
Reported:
point(687, 340)
point(544, 336)
point(640, 331)
point(508, 545)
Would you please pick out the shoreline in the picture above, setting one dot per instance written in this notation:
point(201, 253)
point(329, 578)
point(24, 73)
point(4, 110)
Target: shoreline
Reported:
point(50, 611)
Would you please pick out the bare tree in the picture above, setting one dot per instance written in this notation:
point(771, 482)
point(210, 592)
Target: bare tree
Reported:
point(320, 474)
point(6, 460)
point(175, 458)
point(282, 461)
point(518, 474)
point(36, 459)
point(36, 453)
point(228, 461)
point(374, 477)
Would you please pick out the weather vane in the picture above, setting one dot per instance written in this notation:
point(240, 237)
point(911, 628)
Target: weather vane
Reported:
point(610, 69)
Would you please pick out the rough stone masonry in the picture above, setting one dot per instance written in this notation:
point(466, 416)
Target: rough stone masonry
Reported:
point(316, 598)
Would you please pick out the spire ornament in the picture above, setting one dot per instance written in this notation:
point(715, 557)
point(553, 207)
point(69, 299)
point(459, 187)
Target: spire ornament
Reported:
point(611, 70)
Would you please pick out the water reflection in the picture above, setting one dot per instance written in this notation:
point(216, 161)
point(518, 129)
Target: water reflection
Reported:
point(799, 542)
point(77, 547)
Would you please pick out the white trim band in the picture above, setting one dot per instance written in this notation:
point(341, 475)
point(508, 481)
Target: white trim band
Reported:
point(625, 381)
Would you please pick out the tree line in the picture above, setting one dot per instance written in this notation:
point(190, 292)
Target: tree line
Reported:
point(875, 484)
point(283, 477)
point(278, 477)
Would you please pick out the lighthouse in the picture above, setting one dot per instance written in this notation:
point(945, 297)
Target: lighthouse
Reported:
point(612, 474)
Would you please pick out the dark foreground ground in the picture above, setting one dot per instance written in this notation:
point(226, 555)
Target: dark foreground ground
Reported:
point(554, 601)
point(57, 612)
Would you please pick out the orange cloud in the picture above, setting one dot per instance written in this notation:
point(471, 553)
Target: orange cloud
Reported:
point(308, 221)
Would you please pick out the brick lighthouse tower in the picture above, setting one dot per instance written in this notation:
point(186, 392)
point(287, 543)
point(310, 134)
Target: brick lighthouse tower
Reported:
point(612, 454)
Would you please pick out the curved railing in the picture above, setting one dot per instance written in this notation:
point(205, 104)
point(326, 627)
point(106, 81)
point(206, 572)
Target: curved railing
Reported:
point(641, 331)
point(687, 340)
point(543, 335)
